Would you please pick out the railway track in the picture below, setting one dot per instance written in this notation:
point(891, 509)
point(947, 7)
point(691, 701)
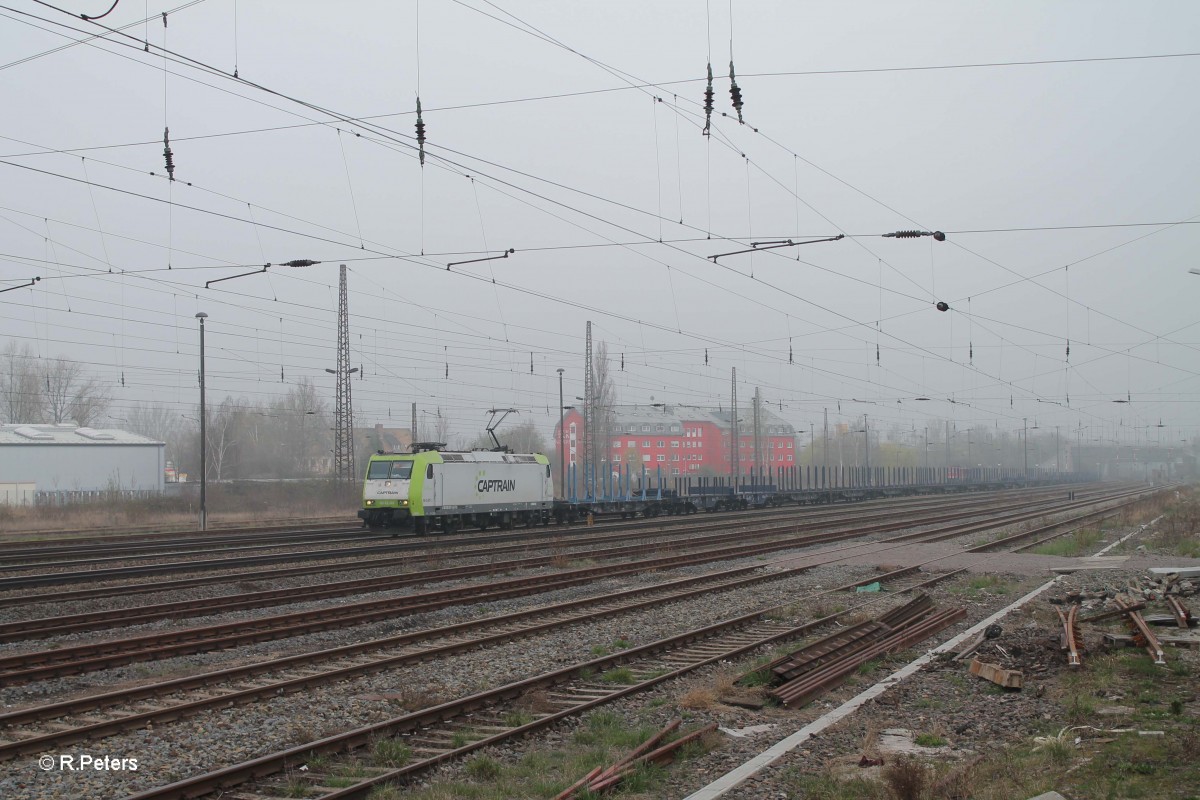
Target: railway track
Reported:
point(51, 626)
point(78, 658)
point(415, 544)
point(31, 558)
point(165, 533)
point(451, 730)
point(171, 700)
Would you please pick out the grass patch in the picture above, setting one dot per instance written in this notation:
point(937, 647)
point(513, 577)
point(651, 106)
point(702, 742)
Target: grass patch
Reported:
point(483, 768)
point(296, 786)
point(929, 740)
point(1074, 544)
point(515, 719)
point(760, 677)
point(339, 782)
point(868, 667)
point(390, 753)
point(827, 786)
point(621, 675)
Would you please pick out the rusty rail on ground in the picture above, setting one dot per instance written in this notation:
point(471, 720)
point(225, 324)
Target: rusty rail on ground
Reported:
point(1143, 636)
point(1072, 641)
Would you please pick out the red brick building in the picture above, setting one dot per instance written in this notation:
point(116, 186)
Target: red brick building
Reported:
point(682, 440)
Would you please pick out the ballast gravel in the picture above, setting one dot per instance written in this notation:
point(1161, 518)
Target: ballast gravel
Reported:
point(211, 739)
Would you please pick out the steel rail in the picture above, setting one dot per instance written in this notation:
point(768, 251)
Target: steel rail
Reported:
point(407, 545)
point(89, 657)
point(1071, 638)
point(85, 658)
point(501, 627)
point(744, 633)
point(45, 627)
point(418, 544)
point(127, 721)
point(1142, 631)
point(33, 557)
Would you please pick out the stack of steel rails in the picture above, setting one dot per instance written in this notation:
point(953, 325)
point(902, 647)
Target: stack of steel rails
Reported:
point(822, 665)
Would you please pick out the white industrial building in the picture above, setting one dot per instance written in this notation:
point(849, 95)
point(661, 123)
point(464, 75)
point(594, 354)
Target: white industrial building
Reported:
point(64, 462)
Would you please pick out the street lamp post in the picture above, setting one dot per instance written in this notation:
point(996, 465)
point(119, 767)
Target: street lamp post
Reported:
point(562, 454)
point(203, 437)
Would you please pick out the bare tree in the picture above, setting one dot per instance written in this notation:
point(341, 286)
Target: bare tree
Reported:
point(89, 401)
point(521, 438)
point(438, 431)
point(303, 429)
point(221, 435)
point(603, 401)
point(20, 387)
point(162, 424)
point(71, 394)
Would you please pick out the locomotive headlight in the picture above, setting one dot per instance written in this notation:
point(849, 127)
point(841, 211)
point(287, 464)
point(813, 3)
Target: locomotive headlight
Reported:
point(370, 502)
point(405, 502)
point(387, 483)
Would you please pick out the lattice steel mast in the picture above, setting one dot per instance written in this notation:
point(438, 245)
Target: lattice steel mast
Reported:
point(343, 410)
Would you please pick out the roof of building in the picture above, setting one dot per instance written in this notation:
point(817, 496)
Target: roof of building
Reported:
point(391, 440)
point(69, 433)
point(678, 415)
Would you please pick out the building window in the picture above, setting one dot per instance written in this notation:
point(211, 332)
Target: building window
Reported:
point(617, 445)
point(645, 429)
point(661, 443)
point(789, 457)
point(646, 443)
point(617, 459)
point(658, 428)
point(675, 443)
point(674, 429)
point(661, 458)
point(675, 457)
point(631, 443)
point(646, 457)
point(674, 472)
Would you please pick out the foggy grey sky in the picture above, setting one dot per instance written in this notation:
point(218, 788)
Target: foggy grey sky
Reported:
point(581, 174)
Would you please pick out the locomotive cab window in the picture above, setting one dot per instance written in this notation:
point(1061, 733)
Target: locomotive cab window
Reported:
point(429, 471)
point(382, 470)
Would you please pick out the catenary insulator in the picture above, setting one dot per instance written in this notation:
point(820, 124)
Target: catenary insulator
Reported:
point(735, 93)
point(167, 154)
point(942, 306)
point(420, 134)
point(708, 102)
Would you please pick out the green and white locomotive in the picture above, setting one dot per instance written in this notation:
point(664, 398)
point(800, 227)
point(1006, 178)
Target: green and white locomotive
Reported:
point(447, 491)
